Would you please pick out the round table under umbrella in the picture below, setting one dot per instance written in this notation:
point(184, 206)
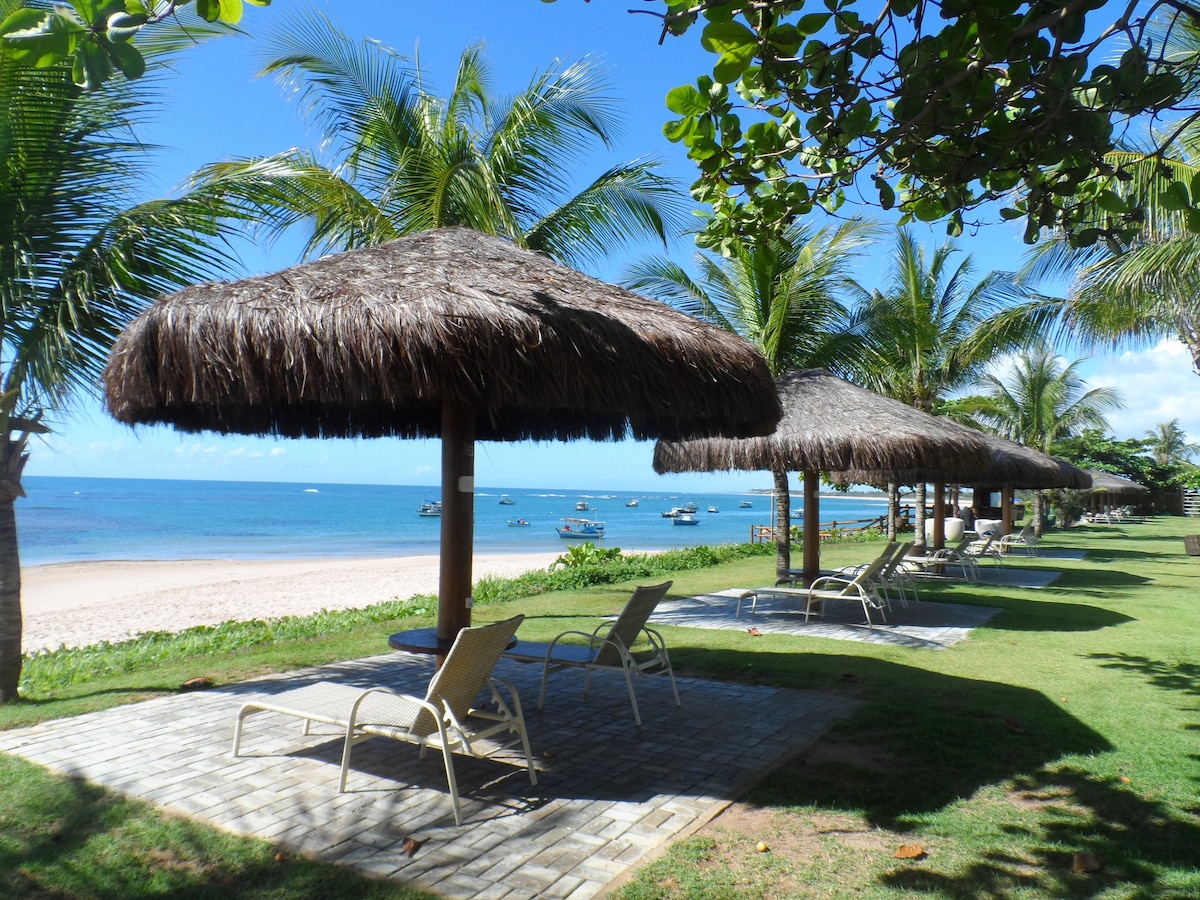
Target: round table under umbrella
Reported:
point(829, 424)
point(449, 333)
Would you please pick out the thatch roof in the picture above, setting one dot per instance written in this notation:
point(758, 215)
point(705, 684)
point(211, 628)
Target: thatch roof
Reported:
point(1008, 463)
point(830, 424)
point(1108, 483)
point(369, 342)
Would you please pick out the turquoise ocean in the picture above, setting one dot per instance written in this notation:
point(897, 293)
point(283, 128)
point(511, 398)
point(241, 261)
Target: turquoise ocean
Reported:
point(91, 519)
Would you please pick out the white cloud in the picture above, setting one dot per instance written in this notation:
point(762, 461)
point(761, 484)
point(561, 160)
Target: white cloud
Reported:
point(1157, 385)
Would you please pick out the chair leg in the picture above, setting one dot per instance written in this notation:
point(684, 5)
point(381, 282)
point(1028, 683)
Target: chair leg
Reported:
point(237, 728)
point(452, 782)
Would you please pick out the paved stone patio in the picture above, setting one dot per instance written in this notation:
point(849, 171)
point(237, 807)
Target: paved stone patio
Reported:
point(609, 796)
point(922, 625)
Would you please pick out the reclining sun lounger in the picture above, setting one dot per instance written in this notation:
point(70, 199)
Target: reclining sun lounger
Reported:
point(625, 645)
point(445, 719)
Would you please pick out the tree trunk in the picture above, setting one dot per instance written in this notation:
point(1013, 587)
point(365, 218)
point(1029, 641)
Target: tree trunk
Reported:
point(783, 523)
point(919, 537)
point(12, 463)
point(893, 513)
point(1037, 513)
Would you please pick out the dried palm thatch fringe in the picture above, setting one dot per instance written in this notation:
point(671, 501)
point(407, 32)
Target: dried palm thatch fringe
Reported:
point(369, 342)
point(1114, 485)
point(1009, 463)
point(831, 424)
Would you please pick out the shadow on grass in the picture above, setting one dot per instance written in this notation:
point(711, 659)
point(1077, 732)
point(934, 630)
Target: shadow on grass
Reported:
point(1050, 615)
point(921, 740)
point(1181, 677)
point(1141, 849)
point(68, 838)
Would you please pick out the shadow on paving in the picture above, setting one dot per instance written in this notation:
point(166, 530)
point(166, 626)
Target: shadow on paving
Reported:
point(608, 792)
point(923, 740)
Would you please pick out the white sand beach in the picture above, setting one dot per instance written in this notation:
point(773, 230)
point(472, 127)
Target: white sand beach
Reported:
point(76, 604)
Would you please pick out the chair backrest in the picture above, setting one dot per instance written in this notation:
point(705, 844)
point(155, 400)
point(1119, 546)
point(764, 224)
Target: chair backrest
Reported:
point(631, 621)
point(897, 559)
point(866, 575)
point(980, 548)
point(466, 668)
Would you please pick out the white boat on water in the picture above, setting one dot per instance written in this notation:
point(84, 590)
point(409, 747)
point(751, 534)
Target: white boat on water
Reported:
point(582, 506)
point(674, 512)
point(713, 509)
point(685, 518)
point(581, 530)
point(631, 502)
point(518, 523)
point(746, 504)
point(430, 508)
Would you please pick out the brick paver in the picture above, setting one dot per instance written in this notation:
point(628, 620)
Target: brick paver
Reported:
point(609, 793)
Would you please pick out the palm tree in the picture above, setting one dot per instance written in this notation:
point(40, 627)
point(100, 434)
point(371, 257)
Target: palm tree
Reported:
point(1169, 444)
point(77, 258)
point(932, 329)
point(781, 294)
point(1145, 287)
point(1039, 402)
point(408, 160)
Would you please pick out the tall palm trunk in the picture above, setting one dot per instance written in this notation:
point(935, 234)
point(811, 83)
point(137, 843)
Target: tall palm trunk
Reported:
point(1038, 499)
point(12, 463)
point(893, 513)
point(783, 522)
point(922, 496)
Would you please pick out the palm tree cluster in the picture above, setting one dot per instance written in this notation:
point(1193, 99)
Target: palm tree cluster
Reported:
point(80, 256)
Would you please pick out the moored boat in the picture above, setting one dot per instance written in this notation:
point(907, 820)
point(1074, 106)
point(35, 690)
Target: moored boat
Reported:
point(582, 506)
point(506, 500)
point(746, 504)
point(631, 502)
point(518, 523)
point(685, 518)
point(713, 509)
point(581, 529)
point(430, 508)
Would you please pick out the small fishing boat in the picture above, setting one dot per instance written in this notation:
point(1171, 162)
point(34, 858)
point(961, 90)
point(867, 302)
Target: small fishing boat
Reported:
point(430, 508)
point(631, 502)
point(582, 506)
point(581, 530)
point(686, 518)
point(518, 523)
point(797, 514)
point(713, 509)
point(506, 500)
point(746, 504)
point(673, 512)
point(691, 506)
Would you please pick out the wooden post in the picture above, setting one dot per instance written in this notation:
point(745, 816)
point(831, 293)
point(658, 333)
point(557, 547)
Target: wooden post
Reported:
point(1006, 510)
point(812, 527)
point(458, 519)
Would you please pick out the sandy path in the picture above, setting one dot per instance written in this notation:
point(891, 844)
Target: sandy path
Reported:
point(76, 604)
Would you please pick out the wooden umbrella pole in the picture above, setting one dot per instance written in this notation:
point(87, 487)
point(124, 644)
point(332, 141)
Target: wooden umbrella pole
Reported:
point(458, 518)
point(812, 527)
point(1006, 509)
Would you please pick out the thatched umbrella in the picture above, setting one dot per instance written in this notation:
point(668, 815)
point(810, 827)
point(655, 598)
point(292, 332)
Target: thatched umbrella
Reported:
point(451, 334)
point(829, 424)
point(1009, 465)
point(1114, 485)
point(1107, 487)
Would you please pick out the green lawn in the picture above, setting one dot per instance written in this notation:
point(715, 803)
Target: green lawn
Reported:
point(1061, 736)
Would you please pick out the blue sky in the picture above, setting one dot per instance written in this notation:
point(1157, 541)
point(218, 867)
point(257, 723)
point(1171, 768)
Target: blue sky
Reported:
point(217, 109)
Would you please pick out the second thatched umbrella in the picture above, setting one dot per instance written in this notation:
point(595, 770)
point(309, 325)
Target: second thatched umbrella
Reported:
point(1009, 465)
point(829, 424)
point(451, 334)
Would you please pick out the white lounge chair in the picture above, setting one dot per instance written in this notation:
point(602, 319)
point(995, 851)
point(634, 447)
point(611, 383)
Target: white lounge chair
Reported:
point(861, 588)
point(624, 644)
point(445, 719)
point(1025, 539)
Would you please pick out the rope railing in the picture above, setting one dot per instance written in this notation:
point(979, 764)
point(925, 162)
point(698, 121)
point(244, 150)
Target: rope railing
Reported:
point(764, 533)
